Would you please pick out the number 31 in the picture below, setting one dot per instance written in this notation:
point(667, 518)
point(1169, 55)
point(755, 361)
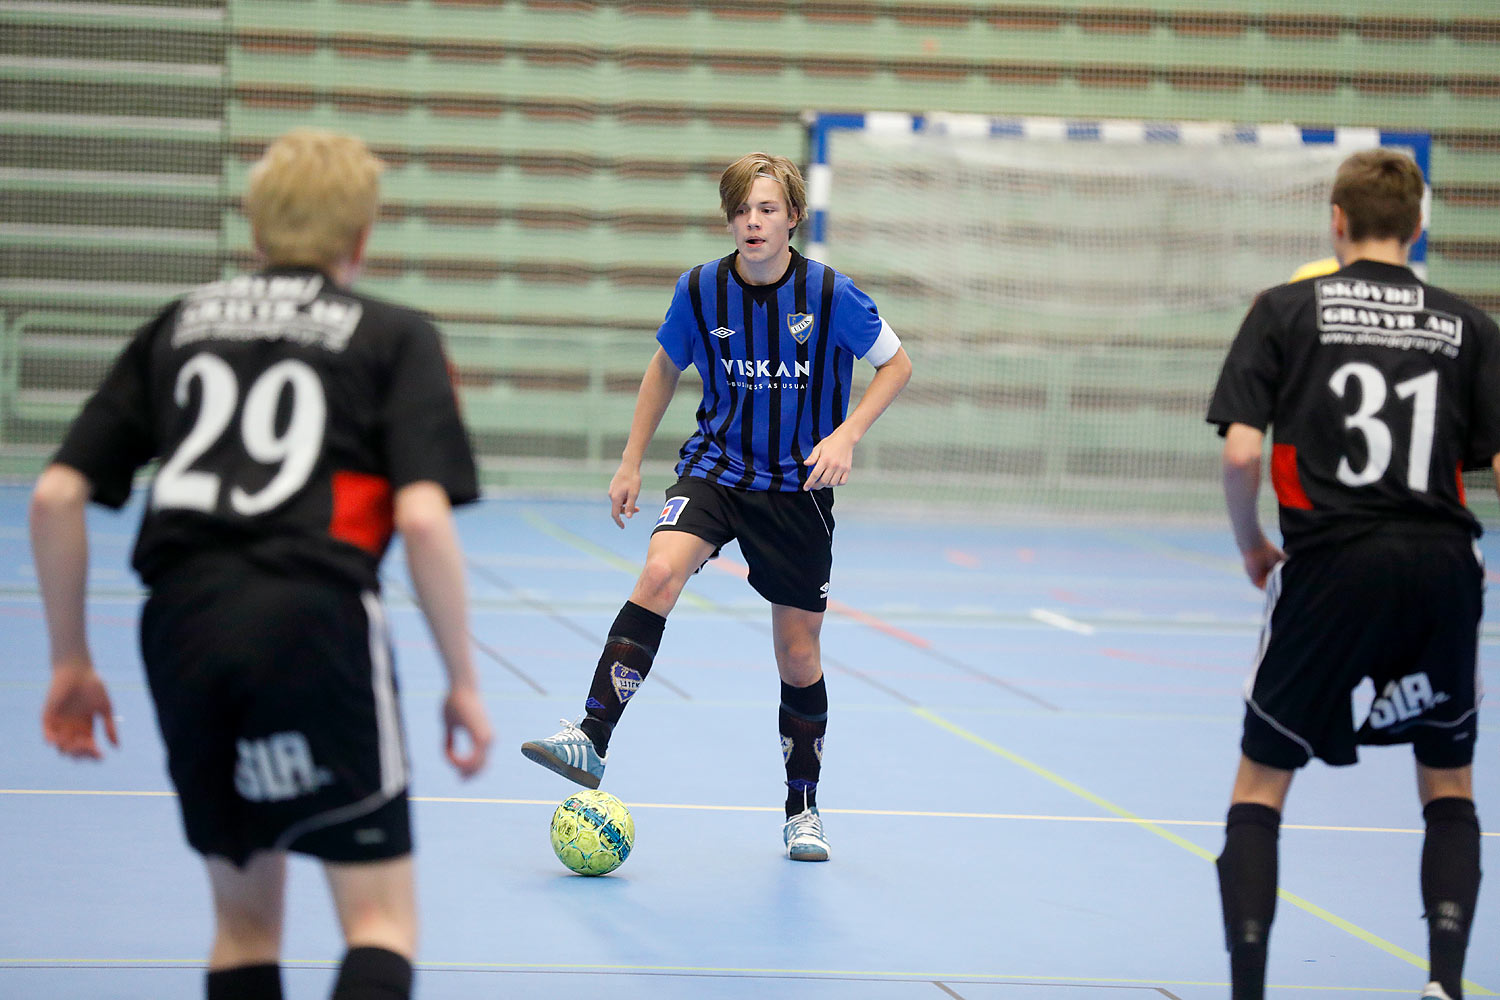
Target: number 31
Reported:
point(1422, 391)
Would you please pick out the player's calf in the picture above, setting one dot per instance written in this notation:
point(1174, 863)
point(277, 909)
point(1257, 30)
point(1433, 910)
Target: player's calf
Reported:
point(1247, 886)
point(1450, 888)
point(373, 974)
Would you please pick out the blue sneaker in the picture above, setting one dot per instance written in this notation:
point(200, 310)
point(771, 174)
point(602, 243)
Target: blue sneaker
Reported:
point(570, 753)
point(804, 838)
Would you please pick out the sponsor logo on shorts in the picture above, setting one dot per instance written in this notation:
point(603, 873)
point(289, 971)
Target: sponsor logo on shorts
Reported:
point(625, 680)
point(823, 591)
point(722, 332)
point(1403, 699)
point(672, 511)
point(786, 749)
point(800, 326)
point(278, 767)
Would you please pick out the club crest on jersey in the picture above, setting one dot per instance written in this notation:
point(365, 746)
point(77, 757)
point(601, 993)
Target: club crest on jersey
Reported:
point(672, 511)
point(625, 680)
point(721, 332)
point(799, 325)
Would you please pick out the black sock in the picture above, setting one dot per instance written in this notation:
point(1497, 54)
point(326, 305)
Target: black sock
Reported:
point(803, 720)
point(1450, 887)
point(373, 974)
point(245, 982)
point(1247, 886)
point(623, 665)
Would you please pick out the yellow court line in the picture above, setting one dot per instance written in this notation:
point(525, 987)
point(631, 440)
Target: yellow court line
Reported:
point(1159, 829)
point(482, 800)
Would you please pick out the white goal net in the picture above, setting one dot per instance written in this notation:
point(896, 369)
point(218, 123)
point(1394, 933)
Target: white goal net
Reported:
point(1067, 292)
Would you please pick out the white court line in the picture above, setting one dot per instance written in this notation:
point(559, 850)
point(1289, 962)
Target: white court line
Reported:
point(1061, 621)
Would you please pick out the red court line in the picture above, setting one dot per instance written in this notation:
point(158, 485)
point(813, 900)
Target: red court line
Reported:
point(839, 607)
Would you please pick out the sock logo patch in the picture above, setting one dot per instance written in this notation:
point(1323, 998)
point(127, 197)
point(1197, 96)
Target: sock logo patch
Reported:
point(818, 748)
point(786, 749)
point(672, 511)
point(625, 680)
point(593, 703)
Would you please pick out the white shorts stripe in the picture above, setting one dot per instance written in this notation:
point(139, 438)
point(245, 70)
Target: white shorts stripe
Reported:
point(1273, 594)
point(393, 776)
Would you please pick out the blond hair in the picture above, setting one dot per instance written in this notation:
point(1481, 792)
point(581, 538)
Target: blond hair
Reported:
point(1380, 191)
point(311, 194)
point(739, 177)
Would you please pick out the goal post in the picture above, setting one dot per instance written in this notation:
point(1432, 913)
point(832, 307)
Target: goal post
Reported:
point(1067, 290)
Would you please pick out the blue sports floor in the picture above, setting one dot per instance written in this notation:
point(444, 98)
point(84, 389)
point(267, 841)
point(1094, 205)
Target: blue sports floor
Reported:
point(1032, 736)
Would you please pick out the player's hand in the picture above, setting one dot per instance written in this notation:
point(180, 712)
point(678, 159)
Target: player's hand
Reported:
point(75, 696)
point(463, 711)
point(1260, 560)
point(624, 489)
point(831, 460)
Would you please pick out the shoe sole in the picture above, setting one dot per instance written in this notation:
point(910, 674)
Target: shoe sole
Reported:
point(541, 755)
point(808, 854)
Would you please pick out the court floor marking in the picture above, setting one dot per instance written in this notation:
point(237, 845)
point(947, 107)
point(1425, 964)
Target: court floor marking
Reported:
point(710, 972)
point(1389, 947)
point(740, 570)
point(1124, 820)
point(479, 569)
point(1160, 830)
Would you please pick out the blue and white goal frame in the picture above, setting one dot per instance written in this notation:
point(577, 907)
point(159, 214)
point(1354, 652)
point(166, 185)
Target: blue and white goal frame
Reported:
point(822, 125)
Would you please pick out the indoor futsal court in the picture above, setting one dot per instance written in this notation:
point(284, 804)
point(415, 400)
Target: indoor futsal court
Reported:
point(1033, 731)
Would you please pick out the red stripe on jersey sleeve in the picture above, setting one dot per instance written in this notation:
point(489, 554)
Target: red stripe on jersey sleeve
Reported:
point(1284, 478)
point(362, 512)
point(1458, 474)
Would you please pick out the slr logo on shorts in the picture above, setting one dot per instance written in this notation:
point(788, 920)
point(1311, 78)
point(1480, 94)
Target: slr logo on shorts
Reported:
point(672, 511)
point(276, 768)
point(721, 332)
point(1404, 699)
point(799, 325)
point(625, 680)
point(823, 591)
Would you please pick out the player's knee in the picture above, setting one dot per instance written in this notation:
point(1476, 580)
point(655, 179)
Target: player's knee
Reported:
point(659, 582)
point(799, 662)
point(248, 929)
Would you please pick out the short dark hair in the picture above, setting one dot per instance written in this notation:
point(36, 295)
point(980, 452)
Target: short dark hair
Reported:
point(1380, 191)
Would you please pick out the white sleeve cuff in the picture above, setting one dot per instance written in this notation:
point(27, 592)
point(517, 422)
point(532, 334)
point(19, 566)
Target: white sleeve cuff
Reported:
point(885, 347)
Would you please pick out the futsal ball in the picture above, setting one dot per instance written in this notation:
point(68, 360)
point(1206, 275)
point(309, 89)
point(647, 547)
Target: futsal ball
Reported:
point(592, 832)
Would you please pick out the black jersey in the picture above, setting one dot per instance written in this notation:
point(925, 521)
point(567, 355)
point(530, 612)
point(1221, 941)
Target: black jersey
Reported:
point(286, 412)
point(1379, 388)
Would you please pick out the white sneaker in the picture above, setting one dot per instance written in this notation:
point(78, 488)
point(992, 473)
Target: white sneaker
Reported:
point(1435, 991)
point(570, 753)
point(804, 838)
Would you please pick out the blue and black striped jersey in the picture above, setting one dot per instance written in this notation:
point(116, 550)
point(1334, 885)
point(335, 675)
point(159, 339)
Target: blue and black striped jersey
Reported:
point(777, 362)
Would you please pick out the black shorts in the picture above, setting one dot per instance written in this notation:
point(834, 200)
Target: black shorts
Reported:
point(786, 536)
point(1400, 609)
point(277, 701)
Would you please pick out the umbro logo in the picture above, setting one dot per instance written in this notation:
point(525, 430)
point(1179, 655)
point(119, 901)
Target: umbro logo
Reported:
point(722, 332)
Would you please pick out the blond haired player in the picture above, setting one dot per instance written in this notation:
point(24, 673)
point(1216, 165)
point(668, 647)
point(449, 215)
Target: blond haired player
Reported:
point(299, 424)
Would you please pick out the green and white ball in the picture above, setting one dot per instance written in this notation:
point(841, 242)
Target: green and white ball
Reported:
point(592, 832)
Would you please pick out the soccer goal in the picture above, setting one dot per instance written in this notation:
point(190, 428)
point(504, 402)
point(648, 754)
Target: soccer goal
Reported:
point(1067, 290)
